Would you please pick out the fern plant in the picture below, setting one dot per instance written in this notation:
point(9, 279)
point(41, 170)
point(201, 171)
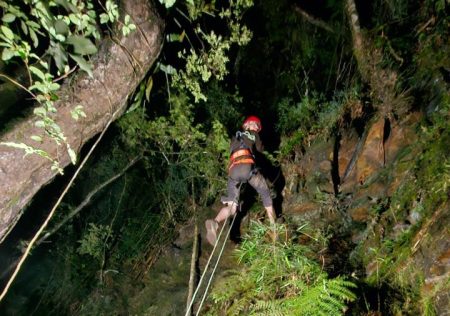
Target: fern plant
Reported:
point(325, 297)
point(278, 278)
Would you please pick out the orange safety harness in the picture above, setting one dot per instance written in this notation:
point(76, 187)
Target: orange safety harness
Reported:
point(241, 156)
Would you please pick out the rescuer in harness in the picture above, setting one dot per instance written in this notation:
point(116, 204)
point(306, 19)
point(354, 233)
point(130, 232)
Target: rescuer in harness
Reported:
point(242, 169)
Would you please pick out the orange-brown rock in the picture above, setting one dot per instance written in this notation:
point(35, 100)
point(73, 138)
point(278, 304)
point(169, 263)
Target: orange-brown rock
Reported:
point(303, 208)
point(346, 149)
point(371, 158)
point(401, 135)
point(360, 213)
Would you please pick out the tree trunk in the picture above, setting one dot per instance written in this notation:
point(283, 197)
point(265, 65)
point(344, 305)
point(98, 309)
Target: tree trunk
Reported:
point(382, 80)
point(362, 59)
point(117, 69)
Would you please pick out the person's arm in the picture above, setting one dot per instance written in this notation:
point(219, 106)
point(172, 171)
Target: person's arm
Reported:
point(258, 143)
point(234, 144)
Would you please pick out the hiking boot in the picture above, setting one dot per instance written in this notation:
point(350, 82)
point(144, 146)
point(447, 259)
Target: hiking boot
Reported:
point(211, 231)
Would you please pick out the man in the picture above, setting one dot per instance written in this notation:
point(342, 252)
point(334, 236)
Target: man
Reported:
point(242, 169)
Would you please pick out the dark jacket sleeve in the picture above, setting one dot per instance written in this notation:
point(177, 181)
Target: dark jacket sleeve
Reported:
point(234, 144)
point(258, 143)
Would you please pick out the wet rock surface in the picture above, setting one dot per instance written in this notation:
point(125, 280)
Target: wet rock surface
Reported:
point(372, 168)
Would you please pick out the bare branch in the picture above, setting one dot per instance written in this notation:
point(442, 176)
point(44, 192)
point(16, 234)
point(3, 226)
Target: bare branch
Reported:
point(87, 200)
point(313, 20)
point(52, 212)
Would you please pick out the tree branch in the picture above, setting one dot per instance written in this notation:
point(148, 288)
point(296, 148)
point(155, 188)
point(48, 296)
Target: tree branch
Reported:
point(192, 274)
point(358, 40)
point(87, 200)
point(52, 212)
point(313, 20)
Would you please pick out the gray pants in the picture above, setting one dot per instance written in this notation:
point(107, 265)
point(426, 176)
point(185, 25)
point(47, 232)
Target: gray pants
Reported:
point(245, 173)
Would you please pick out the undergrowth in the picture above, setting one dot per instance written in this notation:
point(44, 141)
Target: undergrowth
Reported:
point(278, 278)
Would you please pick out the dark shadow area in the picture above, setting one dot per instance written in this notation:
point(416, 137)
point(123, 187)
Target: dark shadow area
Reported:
point(335, 164)
point(375, 300)
point(336, 255)
point(198, 272)
point(37, 211)
point(32, 218)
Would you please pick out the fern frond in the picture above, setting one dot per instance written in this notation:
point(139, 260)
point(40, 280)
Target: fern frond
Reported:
point(267, 308)
point(279, 279)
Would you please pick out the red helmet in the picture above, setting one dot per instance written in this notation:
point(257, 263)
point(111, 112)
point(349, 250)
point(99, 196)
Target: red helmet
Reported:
point(252, 119)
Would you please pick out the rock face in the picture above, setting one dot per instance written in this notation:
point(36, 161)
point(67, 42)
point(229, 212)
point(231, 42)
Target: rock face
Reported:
point(431, 255)
point(117, 70)
point(395, 237)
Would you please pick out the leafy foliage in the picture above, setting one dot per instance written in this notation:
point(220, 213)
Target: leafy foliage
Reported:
point(182, 146)
point(95, 241)
point(211, 61)
point(56, 30)
point(279, 278)
point(314, 116)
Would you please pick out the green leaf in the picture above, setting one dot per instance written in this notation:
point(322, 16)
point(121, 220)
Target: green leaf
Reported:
point(24, 27)
point(8, 18)
point(61, 27)
point(53, 87)
point(81, 45)
point(168, 3)
point(77, 112)
point(173, 37)
point(133, 107)
point(38, 86)
point(38, 73)
point(84, 65)
point(40, 111)
point(72, 155)
point(74, 19)
point(36, 138)
point(7, 31)
point(104, 18)
point(57, 168)
point(14, 145)
point(168, 69)
point(39, 124)
point(66, 5)
point(148, 88)
point(33, 25)
point(43, 63)
point(7, 54)
point(53, 96)
point(125, 30)
point(34, 37)
point(59, 55)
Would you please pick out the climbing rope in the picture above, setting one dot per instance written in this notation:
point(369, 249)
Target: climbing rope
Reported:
point(188, 310)
point(215, 266)
point(208, 262)
point(238, 209)
point(53, 210)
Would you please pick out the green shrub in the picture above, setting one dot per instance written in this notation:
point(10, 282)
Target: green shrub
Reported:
point(279, 278)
